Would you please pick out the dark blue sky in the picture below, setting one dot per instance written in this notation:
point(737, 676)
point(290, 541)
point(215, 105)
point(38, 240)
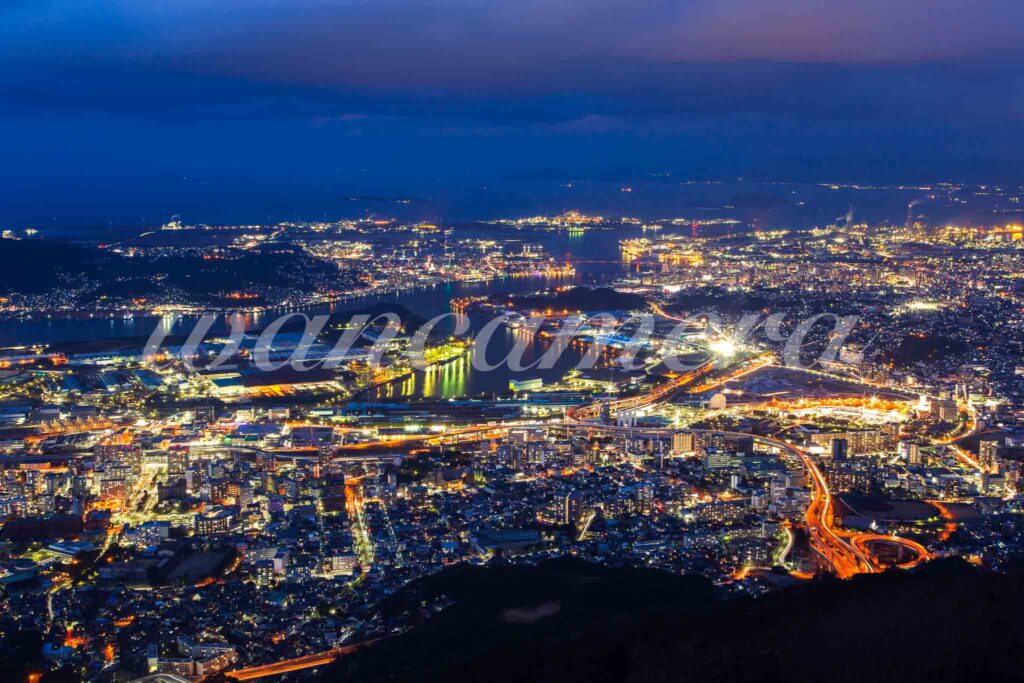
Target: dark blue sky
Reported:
point(418, 91)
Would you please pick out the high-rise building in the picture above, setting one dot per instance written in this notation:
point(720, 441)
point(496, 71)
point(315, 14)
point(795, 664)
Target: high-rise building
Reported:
point(944, 410)
point(890, 434)
point(572, 507)
point(840, 450)
point(118, 455)
point(324, 460)
point(177, 462)
point(525, 447)
point(114, 490)
point(859, 441)
point(643, 495)
point(265, 572)
point(215, 522)
point(683, 442)
point(911, 452)
point(715, 459)
point(988, 454)
point(245, 495)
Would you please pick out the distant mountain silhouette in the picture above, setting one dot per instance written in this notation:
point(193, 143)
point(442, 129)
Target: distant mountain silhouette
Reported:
point(40, 266)
point(582, 299)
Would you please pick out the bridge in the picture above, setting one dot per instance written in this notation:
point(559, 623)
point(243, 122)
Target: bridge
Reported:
point(656, 396)
point(296, 664)
point(294, 455)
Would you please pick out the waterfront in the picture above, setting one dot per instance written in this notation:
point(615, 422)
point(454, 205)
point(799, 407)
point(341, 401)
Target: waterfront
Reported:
point(595, 260)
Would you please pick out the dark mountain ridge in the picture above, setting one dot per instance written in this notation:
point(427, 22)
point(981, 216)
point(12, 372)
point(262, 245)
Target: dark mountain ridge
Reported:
point(568, 621)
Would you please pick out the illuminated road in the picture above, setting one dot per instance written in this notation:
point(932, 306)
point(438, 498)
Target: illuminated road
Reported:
point(790, 542)
point(586, 525)
point(949, 525)
point(838, 548)
point(758, 363)
point(864, 543)
point(296, 664)
point(357, 451)
point(846, 553)
point(654, 397)
point(363, 541)
point(658, 310)
point(843, 559)
point(973, 426)
point(859, 380)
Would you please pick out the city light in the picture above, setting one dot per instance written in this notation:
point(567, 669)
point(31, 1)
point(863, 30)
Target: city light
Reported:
point(724, 348)
point(388, 341)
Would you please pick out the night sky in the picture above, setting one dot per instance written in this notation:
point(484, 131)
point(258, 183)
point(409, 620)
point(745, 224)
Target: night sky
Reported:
point(453, 91)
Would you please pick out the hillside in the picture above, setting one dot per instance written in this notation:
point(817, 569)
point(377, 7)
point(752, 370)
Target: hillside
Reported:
point(34, 267)
point(568, 621)
point(581, 299)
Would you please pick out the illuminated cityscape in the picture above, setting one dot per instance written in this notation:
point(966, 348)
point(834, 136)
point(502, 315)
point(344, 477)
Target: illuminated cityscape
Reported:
point(544, 344)
point(260, 514)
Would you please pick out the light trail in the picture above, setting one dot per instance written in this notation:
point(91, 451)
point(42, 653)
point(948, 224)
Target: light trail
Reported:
point(364, 542)
point(843, 560)
point(788, 548)
point(586, 525)
point(760, 364)
point(949, 527)
point(296, 664)
point(972, 427)
point(862, 543)
point(654, 397)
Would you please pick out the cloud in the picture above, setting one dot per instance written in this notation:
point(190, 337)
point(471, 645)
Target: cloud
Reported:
point(530, 60)
point(582, 96)
point(722, 76)
point(464, 44)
